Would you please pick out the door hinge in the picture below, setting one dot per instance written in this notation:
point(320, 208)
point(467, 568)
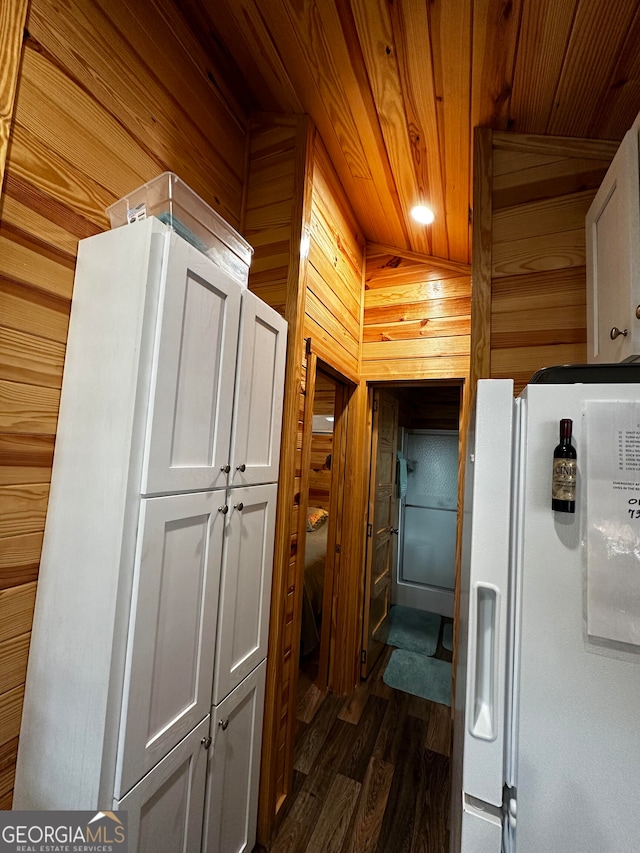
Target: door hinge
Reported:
point(369, 530)
point(375, 404)
point(337, 549)
point(363, 656)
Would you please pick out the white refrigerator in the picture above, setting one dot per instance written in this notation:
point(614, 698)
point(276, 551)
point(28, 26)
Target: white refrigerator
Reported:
point(547, 706)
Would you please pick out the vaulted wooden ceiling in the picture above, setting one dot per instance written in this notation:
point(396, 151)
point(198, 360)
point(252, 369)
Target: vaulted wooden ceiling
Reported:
point(396, 87)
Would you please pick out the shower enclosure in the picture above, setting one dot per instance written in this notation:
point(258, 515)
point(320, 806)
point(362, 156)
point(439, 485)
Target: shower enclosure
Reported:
point(425, 573)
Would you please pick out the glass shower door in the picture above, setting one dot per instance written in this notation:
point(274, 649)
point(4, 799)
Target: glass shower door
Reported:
point(429, 511)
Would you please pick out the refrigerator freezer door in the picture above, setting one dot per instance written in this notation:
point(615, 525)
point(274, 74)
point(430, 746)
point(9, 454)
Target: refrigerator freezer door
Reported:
point(480, 690)
point(481, 830)
point(578, 748)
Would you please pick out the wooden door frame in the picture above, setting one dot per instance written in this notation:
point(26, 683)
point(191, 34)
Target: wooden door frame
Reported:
point(332, 655)
point(328, 647)
point(466, 401)
point(366, 662)
point(467, 396)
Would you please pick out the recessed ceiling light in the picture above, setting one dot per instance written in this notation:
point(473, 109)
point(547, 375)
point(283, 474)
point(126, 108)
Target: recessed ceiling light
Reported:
point(423, 214)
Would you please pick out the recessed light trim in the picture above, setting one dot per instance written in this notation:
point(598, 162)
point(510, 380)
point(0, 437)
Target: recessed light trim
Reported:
point(422, 214)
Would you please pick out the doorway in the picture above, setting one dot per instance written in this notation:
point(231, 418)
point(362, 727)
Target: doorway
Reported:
point(421, 558)
point(322, 530)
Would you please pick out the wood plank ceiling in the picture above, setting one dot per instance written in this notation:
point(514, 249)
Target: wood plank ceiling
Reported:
point(396, 87)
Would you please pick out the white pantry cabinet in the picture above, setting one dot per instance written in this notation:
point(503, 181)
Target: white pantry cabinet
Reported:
point(245, 588)
point(170, 365)
point(172, 633)
point(255, 452)
point(234, 768)
point(613, 259)
point(164, 810)
point(194, 360)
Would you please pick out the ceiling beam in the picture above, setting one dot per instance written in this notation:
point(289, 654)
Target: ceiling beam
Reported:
point(445, 263)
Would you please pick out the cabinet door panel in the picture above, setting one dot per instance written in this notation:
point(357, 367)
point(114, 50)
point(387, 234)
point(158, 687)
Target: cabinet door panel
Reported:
point(191, 405)
point(165, 808)
point(613, 258)
point(234, 768)
point(173, 628)
point(259, 394)
point(245, 587)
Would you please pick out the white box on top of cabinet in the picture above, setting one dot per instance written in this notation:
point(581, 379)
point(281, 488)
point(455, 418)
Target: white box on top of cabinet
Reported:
point(156, 567)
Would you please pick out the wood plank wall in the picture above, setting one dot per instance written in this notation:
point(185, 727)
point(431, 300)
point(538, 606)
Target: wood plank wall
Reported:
point(333, 322)
point(429, 407)
point(16, 608)
point(334, 292)
point(275, 216)
point(308, 265)
point(417, 317)
point(14, 13)
point(268, 210)
point(541, 189)
point(97, 113)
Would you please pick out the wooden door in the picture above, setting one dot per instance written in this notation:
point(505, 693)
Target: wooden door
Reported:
point(165, 808)
point(234, 768)
point(245, 585)
point(170, 659)
point(257, 424)
point(381, 527)
point(613, 259)
point(191, 401)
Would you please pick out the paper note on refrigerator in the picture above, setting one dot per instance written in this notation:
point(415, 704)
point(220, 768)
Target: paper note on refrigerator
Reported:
point(612, 469)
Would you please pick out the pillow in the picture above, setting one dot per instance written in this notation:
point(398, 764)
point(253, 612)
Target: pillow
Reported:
point(316, 517)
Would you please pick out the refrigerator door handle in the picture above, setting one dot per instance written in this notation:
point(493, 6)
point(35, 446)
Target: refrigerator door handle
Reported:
point(483, 705)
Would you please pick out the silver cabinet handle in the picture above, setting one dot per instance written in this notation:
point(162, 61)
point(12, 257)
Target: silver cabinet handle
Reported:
point(616, 332)
point(225, 468)
point(206, 742)
point(638, 312)
point(239, 506)
point(223, 509)
point(223, 724)
point(242, 467)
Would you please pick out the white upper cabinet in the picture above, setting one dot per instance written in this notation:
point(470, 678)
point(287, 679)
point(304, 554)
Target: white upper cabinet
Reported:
point(613, 259)
point(245, 586)
point(169, 672)
point(255, 453)
point(195, 362)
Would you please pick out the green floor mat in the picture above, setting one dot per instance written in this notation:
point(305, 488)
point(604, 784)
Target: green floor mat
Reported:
point(420, 675)
point(413, 630)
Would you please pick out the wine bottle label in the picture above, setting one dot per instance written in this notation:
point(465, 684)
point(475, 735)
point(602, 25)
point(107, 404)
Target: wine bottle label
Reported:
point(563, 486)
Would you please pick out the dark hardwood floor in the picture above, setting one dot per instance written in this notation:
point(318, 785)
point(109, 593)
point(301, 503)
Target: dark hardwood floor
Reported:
point(371, 772)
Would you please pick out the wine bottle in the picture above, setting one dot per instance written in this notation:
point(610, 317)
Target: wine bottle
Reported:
point(563, 485)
